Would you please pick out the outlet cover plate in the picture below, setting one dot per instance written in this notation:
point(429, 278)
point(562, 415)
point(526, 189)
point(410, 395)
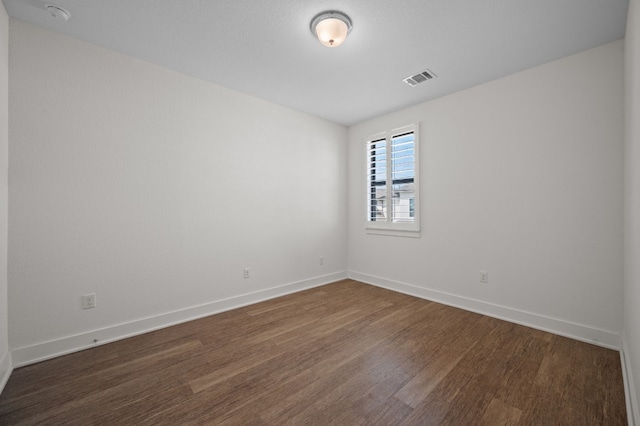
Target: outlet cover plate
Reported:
point(89, 301)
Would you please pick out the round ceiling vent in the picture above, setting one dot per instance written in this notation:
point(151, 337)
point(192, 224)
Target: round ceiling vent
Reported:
point(58, 12)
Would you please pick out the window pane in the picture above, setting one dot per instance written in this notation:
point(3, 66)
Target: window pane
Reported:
point(402, 175)
point(377, 179)
point(377, 203)
point(403, 196)
point(403, 158)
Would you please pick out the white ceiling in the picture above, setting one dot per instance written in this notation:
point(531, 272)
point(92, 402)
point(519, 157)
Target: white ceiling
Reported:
point(265, 48)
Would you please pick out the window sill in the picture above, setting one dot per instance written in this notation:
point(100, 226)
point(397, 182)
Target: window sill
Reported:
point(393, 232)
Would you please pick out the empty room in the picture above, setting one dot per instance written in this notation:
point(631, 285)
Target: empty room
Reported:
point(417, 212)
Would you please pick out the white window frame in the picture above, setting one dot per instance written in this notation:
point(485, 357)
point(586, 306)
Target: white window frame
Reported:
point(387, 227)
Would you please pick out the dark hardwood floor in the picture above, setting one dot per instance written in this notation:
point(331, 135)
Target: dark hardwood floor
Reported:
point(345, 354)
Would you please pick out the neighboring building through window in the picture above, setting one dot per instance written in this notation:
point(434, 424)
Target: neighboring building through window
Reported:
point(392, 182)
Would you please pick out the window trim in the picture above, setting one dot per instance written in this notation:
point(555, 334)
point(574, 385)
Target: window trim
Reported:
point(402, 229)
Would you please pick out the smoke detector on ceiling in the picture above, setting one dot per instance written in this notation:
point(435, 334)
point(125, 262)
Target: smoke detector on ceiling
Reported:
point(58, 12)
point(421, 77)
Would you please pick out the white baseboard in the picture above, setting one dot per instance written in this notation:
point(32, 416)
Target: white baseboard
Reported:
point(6, 368)
point(51, 349)
point(633, 410)
point(580, 332)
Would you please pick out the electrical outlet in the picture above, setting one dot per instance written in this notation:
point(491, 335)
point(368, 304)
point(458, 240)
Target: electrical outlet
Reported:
point(484, 277)
point(89, 301)
point(246, 273)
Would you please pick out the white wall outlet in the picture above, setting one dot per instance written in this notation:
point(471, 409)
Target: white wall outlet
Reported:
point(484, 277)
point(321, 260)
point(246, 273)
point(89, 301)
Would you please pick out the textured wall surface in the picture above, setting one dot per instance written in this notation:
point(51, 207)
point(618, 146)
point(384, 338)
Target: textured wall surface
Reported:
point(520, 177)
point(632, 205)
point(154, 190)
point(4, 155)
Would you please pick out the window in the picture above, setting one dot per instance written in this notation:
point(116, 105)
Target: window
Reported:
point(392, 182)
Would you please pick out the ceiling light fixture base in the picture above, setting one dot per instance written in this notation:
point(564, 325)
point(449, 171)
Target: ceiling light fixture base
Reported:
point(331, 27)
point(57, 12)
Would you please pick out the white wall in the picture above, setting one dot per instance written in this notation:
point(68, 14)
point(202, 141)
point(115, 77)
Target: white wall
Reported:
point(520, 177)
point(5, 356)
point(154, 190)
point(632, 207)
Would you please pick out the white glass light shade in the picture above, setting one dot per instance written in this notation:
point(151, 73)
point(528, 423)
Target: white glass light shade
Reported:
point(331, 32)
point(331, 28)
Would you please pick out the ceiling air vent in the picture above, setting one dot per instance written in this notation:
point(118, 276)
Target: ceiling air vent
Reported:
point(419, 78)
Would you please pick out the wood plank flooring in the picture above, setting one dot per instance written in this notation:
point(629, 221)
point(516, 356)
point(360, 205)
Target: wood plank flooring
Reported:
point(342, 354)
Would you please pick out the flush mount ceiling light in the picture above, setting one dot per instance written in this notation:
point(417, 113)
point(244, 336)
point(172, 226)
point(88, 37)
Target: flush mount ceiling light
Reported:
point(331, 27)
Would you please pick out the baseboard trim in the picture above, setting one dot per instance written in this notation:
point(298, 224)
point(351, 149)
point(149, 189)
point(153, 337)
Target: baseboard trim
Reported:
point(66, 345)
point(46, 350)
point(633, 411)
point(580, 332)
point(6, 368)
